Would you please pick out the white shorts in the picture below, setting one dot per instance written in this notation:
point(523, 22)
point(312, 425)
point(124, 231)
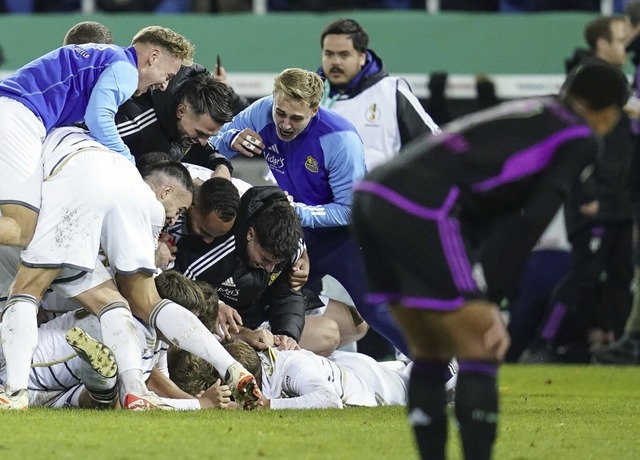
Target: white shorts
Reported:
point(67, 285)
point(21, 137)
point(95, 198)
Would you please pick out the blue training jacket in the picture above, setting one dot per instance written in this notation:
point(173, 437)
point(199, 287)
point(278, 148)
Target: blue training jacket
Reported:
point(318, 168)
point(78, 83)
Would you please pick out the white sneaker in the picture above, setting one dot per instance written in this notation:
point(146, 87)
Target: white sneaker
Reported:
point(18, 400)
point(244, 387)
point(96, 354)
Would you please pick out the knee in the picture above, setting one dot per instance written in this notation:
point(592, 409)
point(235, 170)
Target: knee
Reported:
point(325, 339)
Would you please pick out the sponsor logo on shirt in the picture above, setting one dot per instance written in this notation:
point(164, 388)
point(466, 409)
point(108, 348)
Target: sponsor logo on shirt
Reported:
point(275, 161)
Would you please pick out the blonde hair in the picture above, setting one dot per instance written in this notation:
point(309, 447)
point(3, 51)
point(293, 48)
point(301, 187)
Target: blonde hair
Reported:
point(300, 85)
point(167, 39)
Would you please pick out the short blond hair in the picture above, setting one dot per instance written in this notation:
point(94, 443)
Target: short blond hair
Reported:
point(300, 85)
point(167, 39)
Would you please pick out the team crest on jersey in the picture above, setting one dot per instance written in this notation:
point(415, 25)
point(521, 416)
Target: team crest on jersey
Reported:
point(311, 164)
point(273, 277)
point(372, 113)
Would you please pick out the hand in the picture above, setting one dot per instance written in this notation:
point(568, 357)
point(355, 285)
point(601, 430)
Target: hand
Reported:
point(220, 74)
point(248, 143)
point(299, 273)
point(217, 396)
point(590, 209)
point(284, 342)
point(165, 251)
point(496, 338)
point(290, 198)
point(228, 321)
point(221, 171)
point(260, 339)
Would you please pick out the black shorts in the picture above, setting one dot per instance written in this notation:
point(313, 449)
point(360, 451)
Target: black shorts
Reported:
point(413, 254)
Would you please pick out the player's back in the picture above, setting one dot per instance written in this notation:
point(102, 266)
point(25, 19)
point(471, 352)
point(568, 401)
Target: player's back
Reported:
point(492, 157)
point(58, 85)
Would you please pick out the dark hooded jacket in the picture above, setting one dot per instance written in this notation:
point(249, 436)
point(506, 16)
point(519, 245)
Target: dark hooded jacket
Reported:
point(148, 123)
point(257, 295)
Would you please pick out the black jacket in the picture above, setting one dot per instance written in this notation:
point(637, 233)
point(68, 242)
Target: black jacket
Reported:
point(148, 123)
point(257, 295)
point(610, 182)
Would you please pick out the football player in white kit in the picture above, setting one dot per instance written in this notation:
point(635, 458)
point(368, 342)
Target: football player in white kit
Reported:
point(72, 368)
point(114, 209)
point(300, 379)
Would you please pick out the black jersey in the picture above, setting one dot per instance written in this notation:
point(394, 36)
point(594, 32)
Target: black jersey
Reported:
point(222, 263)
point(502, 173)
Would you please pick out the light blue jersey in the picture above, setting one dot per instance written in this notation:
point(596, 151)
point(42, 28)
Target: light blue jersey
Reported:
point(318, 168)
point(78, 83)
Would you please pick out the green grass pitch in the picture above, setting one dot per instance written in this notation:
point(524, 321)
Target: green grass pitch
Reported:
point(548, 412)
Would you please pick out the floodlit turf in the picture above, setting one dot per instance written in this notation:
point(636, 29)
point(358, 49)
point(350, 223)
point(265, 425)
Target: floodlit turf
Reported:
point(561, 412)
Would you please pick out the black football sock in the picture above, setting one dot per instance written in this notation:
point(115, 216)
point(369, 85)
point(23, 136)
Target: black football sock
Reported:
point(476, 407)
point(427, 407)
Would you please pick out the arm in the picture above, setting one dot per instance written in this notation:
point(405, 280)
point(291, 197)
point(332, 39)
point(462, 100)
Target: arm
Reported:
point(114, 86)
point(413, 120)
point(306, 385)
point(230, 138)
point(285, 310)
point(215, 397)
point(344, 160)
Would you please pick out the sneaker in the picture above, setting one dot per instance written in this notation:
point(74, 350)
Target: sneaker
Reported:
point(95, 353)
point(244, 387)
point(18, 400)
point(624, 351)
point(149, 401)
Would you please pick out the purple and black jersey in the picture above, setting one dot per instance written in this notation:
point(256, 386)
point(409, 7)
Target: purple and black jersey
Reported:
point(483, 192)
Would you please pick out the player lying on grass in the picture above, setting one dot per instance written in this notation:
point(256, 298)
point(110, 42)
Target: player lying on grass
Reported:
point(114, 208)
point(303, 380)
point(72, 368)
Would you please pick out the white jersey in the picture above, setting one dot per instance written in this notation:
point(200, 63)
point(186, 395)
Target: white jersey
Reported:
point(374, 114)
point(56, 367)
point(301, 379)
point(93, 197)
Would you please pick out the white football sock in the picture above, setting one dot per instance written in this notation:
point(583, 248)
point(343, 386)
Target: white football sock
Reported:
point(184, 330)
point(119, 334)
point(19, 339)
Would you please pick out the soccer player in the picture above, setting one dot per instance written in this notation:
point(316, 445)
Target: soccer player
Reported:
point(115, 209)
point(316, 157)
point(304, 380)
point(68, 85)
point(81, 371)
point(177, 120)
point(508, 168)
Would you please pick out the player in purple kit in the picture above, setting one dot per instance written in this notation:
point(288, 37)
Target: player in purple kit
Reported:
point(72, 84)
point(506, 170)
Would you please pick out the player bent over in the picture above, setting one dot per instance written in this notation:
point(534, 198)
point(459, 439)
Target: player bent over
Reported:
point(461, 214)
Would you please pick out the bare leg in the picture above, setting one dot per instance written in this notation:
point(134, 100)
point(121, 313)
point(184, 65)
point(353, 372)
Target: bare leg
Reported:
point(17, 225)
point(320, 335)
point(352, 326)
point(476, 335)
